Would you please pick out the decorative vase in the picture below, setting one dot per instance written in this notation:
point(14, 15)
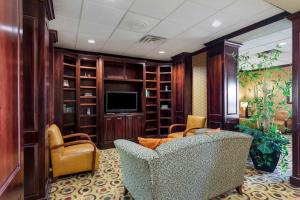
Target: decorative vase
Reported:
point(267, 168)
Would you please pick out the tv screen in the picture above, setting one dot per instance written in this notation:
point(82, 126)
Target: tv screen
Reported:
point(121, 101)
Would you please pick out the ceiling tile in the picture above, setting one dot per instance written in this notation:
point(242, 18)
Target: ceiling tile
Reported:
point(265, 14)
point(194, 34)
point(142, 49)
point(82, 42)
point(120, 4)
point(121, 40)
point(246, 9)
point(101, 14)
point(103, 31)
point(137, 23)
point(68, 8)
point(66, 39)
point(216, 4)
point(155, 8)
point(167, 29)
point(64, 23)
point(190, 13)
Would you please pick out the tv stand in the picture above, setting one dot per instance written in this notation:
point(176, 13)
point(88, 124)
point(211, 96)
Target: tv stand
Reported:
point(122, 125)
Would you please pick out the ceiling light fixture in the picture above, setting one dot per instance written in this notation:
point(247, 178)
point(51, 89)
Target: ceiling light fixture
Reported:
point(282, 44)
point(216, 23)
point(161, 52)
point(91, 41)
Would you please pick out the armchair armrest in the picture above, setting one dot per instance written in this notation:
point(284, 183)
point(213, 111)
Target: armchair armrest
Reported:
point(188, 130)
point(80, 142)
point(77, 135)
point(174, 126)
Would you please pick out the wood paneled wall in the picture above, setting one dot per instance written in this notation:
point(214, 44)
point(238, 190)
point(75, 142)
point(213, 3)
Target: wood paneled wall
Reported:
point(222, 88)
point(11, 101)
point(182, 87)
point(295, 178)
point(37, 97)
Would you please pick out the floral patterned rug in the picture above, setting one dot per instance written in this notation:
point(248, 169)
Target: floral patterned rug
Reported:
point(107, 184)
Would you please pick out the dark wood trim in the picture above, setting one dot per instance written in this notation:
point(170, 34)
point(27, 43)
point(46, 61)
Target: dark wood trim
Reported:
point(249, 28)
point(295, 178)
point(53, 34)
point(49, 9)
point(65, 50)
point(294, 16)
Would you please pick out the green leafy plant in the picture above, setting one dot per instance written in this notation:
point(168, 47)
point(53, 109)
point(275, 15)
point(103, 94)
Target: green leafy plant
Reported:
point(267, 137)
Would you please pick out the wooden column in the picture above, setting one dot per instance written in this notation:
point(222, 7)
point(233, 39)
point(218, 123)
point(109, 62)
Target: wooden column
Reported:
point(37, 101)
point(295, 178)
point(182, 87)
point(222, 86)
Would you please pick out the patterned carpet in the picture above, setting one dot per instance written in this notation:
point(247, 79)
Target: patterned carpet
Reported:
point(107, 183)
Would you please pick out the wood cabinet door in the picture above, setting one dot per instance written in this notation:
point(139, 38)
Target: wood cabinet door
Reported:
point(109, 133)
point(138, 126)
point(130, 134)
point(119, 127)
point(11, 101)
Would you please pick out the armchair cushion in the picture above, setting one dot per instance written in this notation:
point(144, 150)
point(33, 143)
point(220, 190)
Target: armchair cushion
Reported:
point(152, 143)
point(76, 158)
point(194, 121)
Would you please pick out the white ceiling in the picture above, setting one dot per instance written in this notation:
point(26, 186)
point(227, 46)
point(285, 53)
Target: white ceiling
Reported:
point(267, 38)
point(118, 25)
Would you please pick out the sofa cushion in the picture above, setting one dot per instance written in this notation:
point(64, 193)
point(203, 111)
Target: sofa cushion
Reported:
point(152, 143)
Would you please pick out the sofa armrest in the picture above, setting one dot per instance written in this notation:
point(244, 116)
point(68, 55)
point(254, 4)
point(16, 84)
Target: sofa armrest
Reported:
point(136, 168)
point(174, 126)
point(77, 135)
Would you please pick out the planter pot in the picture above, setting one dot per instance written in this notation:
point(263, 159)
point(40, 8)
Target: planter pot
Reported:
point(257, 155)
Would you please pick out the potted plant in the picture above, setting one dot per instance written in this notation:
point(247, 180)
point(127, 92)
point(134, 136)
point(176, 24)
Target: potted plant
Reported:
point(268, 142)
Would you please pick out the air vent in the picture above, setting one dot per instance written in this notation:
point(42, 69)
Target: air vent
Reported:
point(151, 39)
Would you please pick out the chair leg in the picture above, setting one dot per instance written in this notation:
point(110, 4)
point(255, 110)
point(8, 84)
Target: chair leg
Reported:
point(54, 179)
point(93, 172)
point(239, 189)
point(125, 191)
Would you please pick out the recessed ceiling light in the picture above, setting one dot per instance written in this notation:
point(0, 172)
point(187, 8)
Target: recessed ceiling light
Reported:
point(161, 52)
point(91, 41)
point(216, 23)
point(282, 44)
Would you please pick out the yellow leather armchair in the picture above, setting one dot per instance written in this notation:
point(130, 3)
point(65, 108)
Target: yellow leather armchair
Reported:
point(71, 157)
point(193, 123)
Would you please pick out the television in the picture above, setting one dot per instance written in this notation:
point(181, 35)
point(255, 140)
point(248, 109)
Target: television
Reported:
point(121, 101)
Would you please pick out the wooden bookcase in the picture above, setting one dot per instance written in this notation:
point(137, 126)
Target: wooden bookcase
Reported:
point(69, 93)
point(87, 95)
point(151, 100)
point(165, 99)
point(158, 95)
point(89, 78)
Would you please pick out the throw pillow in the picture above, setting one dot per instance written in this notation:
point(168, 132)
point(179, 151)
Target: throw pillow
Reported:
point(152, 143)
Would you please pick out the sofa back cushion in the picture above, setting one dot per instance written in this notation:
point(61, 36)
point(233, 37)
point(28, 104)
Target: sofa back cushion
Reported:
point(206, 165)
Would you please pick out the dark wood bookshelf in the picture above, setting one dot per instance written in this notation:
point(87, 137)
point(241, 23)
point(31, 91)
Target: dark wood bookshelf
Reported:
point(88, 110)
point(69, 92)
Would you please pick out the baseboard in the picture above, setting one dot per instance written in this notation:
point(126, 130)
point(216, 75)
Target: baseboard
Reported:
point(295, 181)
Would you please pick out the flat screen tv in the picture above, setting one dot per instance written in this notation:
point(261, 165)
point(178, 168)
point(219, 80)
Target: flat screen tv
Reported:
point(121, 101)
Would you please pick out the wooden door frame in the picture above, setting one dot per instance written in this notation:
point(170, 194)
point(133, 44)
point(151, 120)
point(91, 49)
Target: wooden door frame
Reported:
point(295, 178)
